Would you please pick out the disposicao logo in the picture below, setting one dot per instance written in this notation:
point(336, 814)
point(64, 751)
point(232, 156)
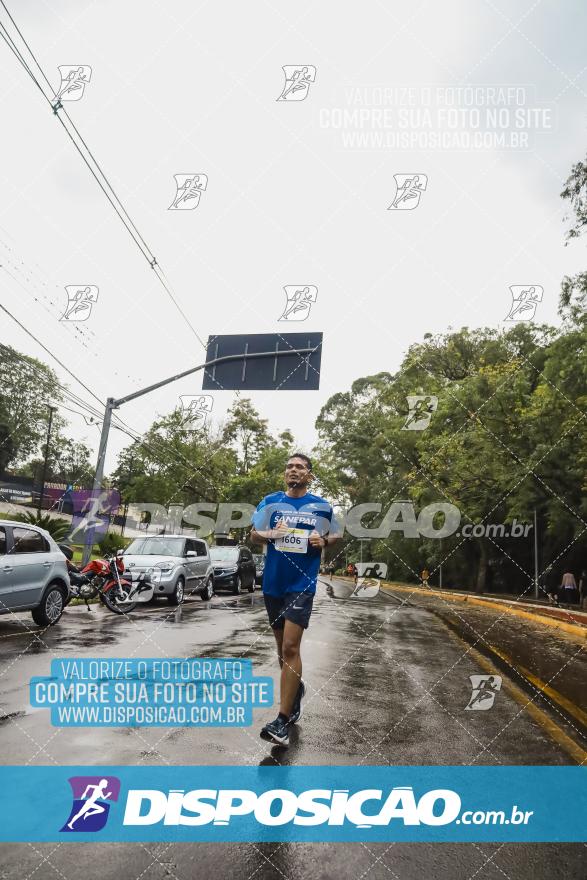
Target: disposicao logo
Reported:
point(90, 808)
point(281, 806)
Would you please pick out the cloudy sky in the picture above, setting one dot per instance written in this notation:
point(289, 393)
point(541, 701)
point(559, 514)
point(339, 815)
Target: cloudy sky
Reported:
point(298, 190)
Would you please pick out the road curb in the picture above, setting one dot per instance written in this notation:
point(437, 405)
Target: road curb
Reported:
point(490, 658)
point(574, 629)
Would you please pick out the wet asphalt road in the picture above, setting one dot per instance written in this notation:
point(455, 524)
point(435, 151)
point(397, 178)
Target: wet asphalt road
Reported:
point(387, 683)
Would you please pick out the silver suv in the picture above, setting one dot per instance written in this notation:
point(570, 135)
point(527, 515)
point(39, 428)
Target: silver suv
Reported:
point(33, 573)
point(175, 565)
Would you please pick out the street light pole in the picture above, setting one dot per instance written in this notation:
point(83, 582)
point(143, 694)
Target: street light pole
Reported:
point(113, 403)
point(52, 409)
point(535, 554)
point(130, 467)
point(440, 568)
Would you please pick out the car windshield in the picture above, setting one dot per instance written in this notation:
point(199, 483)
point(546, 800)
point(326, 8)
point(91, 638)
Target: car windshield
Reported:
point(224, 554)
point(155, 547)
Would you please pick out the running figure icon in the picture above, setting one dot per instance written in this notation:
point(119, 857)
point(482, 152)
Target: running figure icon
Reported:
point(91, 807)
point(74, 79)
point(297, 82)
point(525, 300)
point(484, 690)
point(409, 189)
point(299, 302)
point(189, 188)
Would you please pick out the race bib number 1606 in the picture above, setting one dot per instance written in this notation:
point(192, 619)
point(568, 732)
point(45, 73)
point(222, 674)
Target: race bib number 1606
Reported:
point(294, 541)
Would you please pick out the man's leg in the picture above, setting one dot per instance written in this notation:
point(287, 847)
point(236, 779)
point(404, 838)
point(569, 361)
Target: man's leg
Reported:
point(291, 669)
point(278, 633)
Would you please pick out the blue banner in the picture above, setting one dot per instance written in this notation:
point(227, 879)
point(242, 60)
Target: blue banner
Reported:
point(216, 803)
point(151, 692)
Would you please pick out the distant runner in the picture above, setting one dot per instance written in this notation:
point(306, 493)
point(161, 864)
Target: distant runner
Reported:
point(295, 525)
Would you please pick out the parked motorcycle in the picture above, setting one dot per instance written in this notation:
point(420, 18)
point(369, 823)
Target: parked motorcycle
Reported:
point(102, 578)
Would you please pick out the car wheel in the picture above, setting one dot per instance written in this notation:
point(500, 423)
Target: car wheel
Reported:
point(178, 594)
point(208, 590)
point(237, 585)
point(252, 586)
point(50, 609)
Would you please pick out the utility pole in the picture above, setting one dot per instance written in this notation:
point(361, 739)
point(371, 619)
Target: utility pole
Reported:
point(440, 568)
point(535, 554)
point(52, 409)
point(130, 466)
point(113, 403)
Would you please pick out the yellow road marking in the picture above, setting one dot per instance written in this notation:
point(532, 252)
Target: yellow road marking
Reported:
point(539, 715)
point(546, 689)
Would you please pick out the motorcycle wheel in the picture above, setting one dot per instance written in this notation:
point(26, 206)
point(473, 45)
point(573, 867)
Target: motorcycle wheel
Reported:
point(117, 607)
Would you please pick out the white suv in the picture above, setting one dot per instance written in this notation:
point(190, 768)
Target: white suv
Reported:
point(33, 573)
point(176, 565)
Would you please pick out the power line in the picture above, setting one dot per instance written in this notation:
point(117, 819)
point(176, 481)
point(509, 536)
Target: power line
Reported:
point(118, 205)
point(77, 413)
point(172, 455)
point(36, 296)
point(14, 49)
point(50, 353)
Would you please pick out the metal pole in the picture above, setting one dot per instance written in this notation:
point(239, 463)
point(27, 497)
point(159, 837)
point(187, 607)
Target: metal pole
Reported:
point(247, 356)
point(535, 554)
point(52, 409)
point(440, 568)
point(130, 466)
point(98, 476)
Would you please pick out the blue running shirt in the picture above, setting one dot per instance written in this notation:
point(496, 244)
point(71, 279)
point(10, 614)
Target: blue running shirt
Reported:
point(292, 564)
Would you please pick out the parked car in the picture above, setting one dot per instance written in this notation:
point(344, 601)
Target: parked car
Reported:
point(33, 573)
point(176, 565)
point(234, 567)
point(260, 567)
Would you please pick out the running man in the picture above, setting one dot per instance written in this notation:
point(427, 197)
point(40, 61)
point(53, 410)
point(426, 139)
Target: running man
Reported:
point(90, 807)
point(295, 525)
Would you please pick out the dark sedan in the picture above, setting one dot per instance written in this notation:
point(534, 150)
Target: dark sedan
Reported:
point(234, 568)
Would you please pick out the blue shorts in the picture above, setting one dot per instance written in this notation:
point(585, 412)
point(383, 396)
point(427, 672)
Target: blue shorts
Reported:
point(296, 607)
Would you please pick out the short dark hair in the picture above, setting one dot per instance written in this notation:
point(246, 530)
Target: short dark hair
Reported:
point(303, 457)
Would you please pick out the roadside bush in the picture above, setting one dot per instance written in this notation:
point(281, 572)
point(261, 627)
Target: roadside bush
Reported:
point(111, 542)
point(57, 528)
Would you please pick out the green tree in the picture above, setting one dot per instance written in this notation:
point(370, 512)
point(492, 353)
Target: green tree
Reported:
point(69, 461)
point(173, 464)
point(478, 453)
point(246, 432)
point(7, 444)
point(27, 386)
point(266, 475)
point(58, 528)
point(573, 298)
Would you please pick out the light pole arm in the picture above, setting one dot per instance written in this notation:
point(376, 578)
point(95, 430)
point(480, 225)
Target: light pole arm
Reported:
point(229, 357)
point(113, 403)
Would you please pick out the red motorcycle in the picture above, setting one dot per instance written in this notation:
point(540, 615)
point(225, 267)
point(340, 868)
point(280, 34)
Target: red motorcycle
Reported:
point(102, 578)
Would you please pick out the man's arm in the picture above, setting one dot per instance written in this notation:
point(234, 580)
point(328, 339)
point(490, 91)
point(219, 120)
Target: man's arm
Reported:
point(268, 535)
point(322, 541)
point(259, 537)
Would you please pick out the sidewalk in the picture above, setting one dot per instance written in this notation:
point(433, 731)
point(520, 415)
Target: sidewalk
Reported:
point(570, 620)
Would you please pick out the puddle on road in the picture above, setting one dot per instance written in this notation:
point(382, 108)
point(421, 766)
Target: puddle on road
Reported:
point(11, 716)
